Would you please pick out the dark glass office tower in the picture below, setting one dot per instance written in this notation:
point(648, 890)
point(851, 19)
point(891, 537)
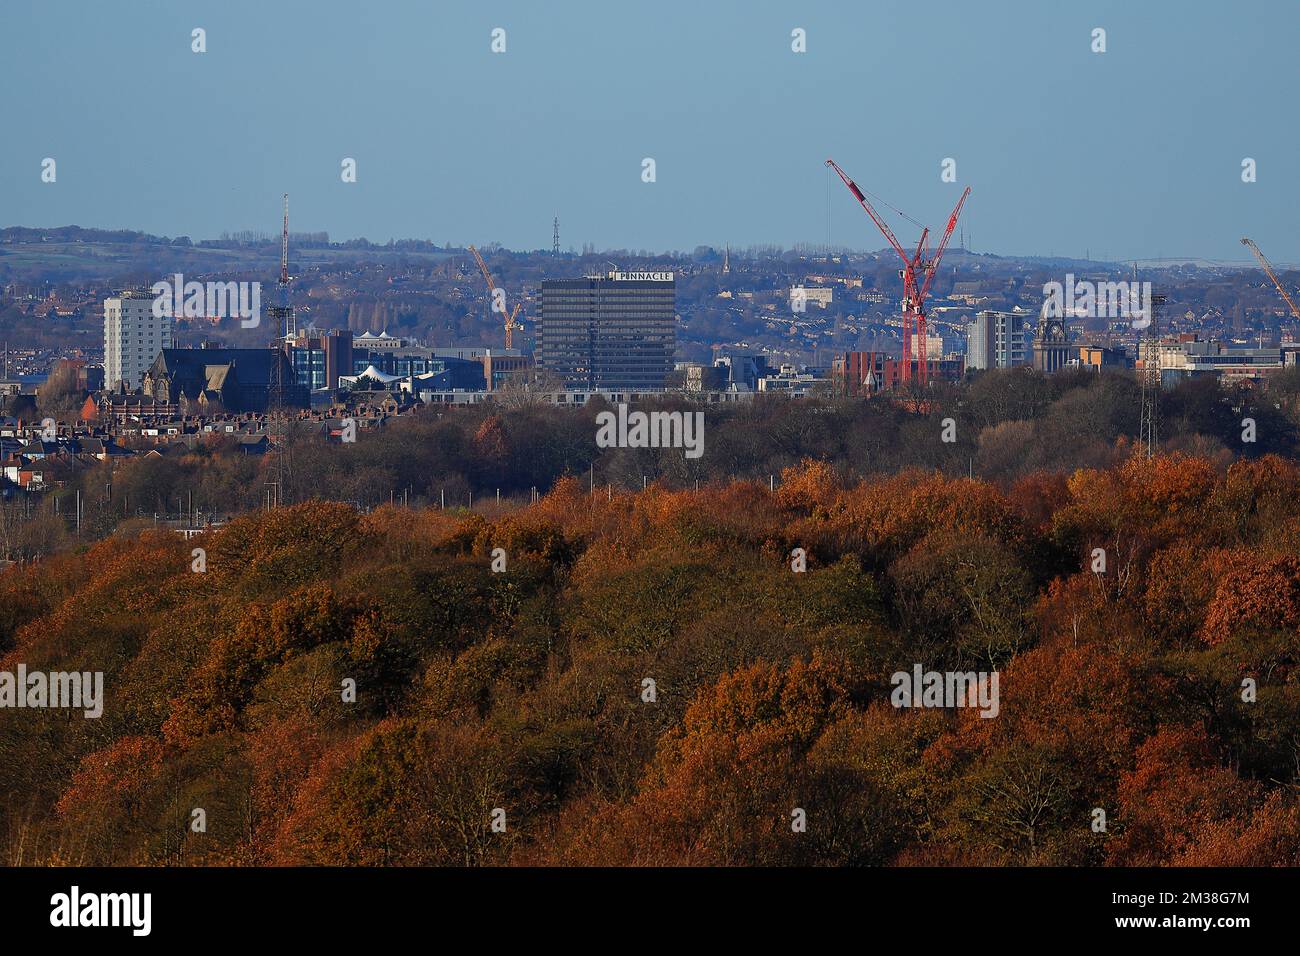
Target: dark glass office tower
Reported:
point(612, 333)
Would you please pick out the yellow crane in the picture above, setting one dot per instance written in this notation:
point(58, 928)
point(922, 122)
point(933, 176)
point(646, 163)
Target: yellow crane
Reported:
point(511, 324)
point(1268, 268)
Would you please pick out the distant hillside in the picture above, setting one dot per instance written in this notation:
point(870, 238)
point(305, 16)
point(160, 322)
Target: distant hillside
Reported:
point(78, 254)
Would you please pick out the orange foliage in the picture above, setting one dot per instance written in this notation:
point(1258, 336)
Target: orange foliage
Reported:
point(1256, 594)
point(1162, 498)
point(889, 516)
point(808, 486)
point(522, 690)
point(1173, 797)
point(109, 781)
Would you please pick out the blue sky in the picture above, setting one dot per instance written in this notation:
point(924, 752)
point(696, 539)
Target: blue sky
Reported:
point(1134, 152)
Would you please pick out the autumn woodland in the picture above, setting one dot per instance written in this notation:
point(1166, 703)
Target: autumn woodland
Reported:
point(619, 676)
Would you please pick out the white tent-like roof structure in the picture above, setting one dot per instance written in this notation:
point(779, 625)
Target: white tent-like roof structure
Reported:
point(378, 376)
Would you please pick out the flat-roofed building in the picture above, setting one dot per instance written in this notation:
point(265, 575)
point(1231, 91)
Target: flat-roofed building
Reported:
point(616, 331)
point(133, 337)
point(319, 358)
point(996, 340)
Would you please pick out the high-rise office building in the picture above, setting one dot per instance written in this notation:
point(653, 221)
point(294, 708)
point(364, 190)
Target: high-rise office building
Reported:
point(996, 340)
point(133, 337)
point(611, 333)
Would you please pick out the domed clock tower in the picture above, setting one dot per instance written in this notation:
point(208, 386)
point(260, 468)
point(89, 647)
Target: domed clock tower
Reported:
point(1051, 343)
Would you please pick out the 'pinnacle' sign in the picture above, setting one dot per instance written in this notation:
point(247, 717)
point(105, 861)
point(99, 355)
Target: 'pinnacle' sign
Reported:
point(641, 276)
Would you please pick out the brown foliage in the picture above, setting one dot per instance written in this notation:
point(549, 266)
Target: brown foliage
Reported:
point(523, 691)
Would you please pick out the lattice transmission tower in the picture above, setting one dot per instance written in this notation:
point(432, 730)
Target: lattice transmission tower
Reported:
point(1149, 350)
point(283, 326)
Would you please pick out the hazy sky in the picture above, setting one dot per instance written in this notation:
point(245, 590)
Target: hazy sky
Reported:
point(1133, 152)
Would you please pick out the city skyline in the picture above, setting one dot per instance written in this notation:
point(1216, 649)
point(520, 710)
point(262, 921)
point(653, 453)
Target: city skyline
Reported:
point(1069, 152)
point(599, 437)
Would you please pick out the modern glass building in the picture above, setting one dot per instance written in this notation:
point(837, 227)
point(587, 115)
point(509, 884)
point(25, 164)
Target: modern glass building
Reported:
point(319, 358)
point(612, 332)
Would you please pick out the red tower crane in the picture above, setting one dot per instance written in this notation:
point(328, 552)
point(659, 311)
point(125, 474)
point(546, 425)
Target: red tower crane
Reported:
point(920, 265)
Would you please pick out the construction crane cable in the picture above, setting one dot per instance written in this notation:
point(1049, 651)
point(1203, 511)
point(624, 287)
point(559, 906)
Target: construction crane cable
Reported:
point(885, 202)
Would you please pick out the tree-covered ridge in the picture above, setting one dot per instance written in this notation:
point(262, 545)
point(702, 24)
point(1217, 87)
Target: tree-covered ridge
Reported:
point(1003, 426)
point(525, 689)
